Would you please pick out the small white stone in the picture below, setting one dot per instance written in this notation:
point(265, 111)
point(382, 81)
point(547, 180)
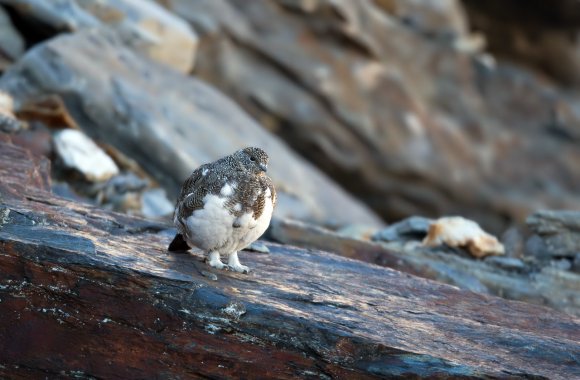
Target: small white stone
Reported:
point(79, 152)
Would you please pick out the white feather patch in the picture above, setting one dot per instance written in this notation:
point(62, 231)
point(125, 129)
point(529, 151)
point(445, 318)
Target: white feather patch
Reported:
point(228, 189)
point(212, 228)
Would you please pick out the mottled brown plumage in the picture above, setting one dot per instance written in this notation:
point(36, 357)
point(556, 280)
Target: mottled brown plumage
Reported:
point(236, 184)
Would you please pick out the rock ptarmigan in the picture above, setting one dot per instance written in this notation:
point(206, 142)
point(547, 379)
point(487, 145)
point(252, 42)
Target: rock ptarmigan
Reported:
point(224, 206)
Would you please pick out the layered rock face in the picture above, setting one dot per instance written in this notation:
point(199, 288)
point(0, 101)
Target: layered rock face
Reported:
point(168, 123)
point(397, 102)
point(542, 35)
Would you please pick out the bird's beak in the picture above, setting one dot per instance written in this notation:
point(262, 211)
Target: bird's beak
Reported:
point(264, 167)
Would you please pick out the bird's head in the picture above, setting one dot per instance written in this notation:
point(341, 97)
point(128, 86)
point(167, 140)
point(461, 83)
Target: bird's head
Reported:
point(254, 159)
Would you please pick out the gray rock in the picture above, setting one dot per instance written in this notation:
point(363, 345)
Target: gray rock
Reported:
point(258, 246)
point(356, 231)
point(11, 42)
point(122, 183)
point(513, 241)
point(9, 124)
point(142, 24)
point(435, 18)
point(556, 233)
point(562, 264)
point(509, 263)
point(415, 227)
point(168, 123)
point(156, 204)
point(576, 263)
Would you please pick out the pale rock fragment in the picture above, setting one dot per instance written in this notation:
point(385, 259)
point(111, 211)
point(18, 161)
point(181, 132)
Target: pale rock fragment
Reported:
point(79, 152)
point(8, 121)
point(459, 232)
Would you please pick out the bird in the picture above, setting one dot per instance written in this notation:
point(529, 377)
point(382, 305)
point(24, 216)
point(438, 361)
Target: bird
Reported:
point(224, 206)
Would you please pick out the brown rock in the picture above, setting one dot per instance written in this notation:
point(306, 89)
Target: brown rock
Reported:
point(541, 35)
point(409, 123)
point(74, 273)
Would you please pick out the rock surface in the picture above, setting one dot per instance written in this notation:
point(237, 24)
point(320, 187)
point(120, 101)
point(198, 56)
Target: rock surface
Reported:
point(168, 123)
point(543, 35)
point(414, 227)
point(557, 233)
point(406, 120)
point(74, 273)
point(141, 24)
point(11, 42)
point(502, 276)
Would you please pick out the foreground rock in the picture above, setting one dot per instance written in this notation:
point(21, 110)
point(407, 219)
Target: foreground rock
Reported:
point(508, 277)
point(74, 273)
point(396, 103)
point(168, 123)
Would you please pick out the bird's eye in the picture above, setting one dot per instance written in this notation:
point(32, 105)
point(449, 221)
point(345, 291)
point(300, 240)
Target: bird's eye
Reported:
point(252, 159)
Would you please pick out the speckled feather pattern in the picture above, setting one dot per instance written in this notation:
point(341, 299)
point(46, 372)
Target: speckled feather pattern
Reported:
point(227, 204)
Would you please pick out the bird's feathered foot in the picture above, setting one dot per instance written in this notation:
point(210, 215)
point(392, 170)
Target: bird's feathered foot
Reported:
point(235, 265)
point(215, 261)
point(178, 244)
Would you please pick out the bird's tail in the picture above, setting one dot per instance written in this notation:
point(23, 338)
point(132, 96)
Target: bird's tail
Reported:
point(178, 244)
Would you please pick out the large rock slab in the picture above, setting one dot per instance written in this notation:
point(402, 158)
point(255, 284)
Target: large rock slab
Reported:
point(75, 273)
point(411, 121)
point(142, 24)
point(167, 122)
point(509, 277)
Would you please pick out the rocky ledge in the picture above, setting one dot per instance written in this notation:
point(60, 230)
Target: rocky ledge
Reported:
point(88, 293)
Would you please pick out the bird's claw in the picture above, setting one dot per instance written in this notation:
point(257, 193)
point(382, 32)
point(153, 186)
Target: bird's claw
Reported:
point(238, 268)
point(218, 265)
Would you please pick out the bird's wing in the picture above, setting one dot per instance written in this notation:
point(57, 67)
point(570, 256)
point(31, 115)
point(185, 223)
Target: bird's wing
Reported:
point(267, 191)
point(194, 189)
point(272, 192)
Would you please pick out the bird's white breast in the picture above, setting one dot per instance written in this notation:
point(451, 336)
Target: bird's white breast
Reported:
point(212, 227)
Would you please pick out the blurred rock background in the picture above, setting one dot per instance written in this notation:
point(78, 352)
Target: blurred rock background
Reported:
point(372, 111)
